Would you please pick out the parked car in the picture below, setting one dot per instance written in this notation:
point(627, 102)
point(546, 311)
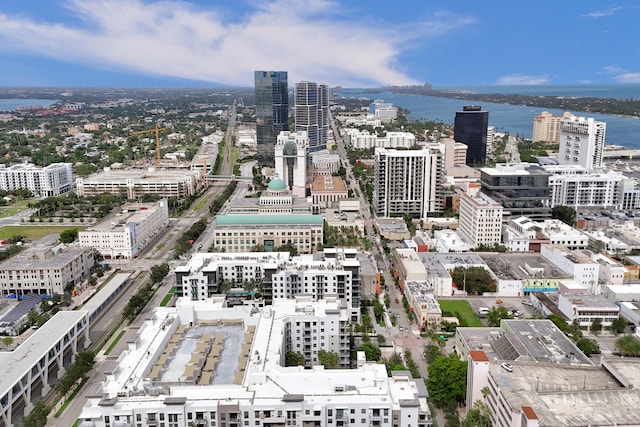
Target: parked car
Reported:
point(499, 301)
point(507, 367)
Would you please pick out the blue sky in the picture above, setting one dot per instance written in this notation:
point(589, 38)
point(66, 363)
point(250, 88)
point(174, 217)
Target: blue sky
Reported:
point(353, 43)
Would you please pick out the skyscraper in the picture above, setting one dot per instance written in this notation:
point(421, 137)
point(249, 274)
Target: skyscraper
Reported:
point(312, 113)
point(470, 128)
point(581, 142)
point(272, 112)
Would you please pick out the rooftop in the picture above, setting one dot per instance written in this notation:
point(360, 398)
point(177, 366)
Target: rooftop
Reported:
point(258, 220)
point(43, 257)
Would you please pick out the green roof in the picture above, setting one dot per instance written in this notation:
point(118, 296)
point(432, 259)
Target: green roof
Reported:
point(276, 184)
point(269, 220)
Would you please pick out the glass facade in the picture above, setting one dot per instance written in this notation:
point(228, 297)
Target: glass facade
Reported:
point(272, 112)
point(312, 113)
point(470, 127)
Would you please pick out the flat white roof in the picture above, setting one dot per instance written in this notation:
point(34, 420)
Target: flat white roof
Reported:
point(15, 364)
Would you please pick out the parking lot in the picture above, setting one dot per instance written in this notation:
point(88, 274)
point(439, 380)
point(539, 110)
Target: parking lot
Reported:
point(510, 303)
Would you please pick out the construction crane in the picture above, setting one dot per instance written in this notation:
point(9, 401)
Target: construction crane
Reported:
point(157, 131)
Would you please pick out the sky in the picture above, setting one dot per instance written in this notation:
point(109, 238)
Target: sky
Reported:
point(351, 43)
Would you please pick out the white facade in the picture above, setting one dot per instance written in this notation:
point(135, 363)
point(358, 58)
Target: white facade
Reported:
point(585, 308)
point(517, 233)
point(581, 268)
point(276, 274)
point(407, 182)
point(49, 181)
point(45, 270)
point(255, 388)
point(480, 220)
point(126, 234)
point(323, 161)
point(135, 183)
point(582, 142)
point(579, 187)
point(560, 233)
point(363, 140)
point(291, 160)
point(611, 272)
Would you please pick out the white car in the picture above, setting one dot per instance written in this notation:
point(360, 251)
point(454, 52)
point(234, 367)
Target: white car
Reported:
point(507, 367)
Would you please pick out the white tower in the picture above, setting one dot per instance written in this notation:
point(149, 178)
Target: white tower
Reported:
point(582, 142)
point(291, 160)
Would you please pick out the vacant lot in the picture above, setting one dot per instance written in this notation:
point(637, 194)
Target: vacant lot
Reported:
point(462, 310)
point(35, 232)
point(13, 208)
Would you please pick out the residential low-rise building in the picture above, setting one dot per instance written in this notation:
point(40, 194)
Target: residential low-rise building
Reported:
point(576, 264)
point(422, 304)
point(127, 233)
point(585, 309)
point(45, 270)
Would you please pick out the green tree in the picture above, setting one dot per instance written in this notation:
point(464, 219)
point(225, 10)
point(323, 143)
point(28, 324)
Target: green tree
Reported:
point(431, 353)
point(565, 214)
point(7, 341)
point(37, 417)
point(159, 272)
point(447, 380)
point(328, 359)
point(619, 325)
point(293, 358)
point(628, 346)
point(69, 235)
point(478, 416)
point(496, 314)
point(596, 326)
point(588, 346)
point(371, 350)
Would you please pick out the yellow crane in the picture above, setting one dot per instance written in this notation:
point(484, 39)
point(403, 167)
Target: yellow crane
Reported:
point(157, 131)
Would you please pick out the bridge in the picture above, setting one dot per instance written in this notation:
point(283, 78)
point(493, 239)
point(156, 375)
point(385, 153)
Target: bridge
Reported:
point(229, 178)
point(621, 154)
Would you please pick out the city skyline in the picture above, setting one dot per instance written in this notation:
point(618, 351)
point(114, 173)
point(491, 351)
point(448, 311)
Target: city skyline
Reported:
point(353, 44)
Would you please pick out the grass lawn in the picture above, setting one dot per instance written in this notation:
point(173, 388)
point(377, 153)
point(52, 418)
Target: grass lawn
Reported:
point(166, 299)
point(235, 154)
point(461, 308)
point(13, 208)
point(201, 203)
point(35, 232)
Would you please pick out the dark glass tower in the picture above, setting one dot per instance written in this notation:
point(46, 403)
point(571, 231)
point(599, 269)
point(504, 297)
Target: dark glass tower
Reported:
point(272, 112)
point(471, 128)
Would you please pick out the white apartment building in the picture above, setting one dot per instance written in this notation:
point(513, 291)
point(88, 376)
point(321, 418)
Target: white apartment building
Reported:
point(559, 233)
point(455, 153)
point(385, 111)
point(362, 140)
point(579, 187)
point(325, 163)
point(239, 376)
point(49, 181)
point(546, 127)
point(611, 272)
point(291, 160)
point(517, 233)
point(581, 142)
point(276, 275)
point(45, 270)
point(126, 234)
point(480, 220)
point(135, 183)
point(585, 308)
point(579, 266)
point(407, 182)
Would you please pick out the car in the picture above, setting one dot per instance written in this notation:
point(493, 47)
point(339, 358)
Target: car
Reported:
point(444, 338)
point(499, 301)
point(401, 328)
point(507, 367)
point(397, 301)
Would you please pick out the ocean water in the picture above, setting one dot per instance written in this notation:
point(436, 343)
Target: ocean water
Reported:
point(12, 104)
point(517, 119)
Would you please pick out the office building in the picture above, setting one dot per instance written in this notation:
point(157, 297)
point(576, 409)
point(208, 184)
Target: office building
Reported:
point(480, 220)
point(522, 189)
point(238, 376)
point(470, 128)
point(312, 113)
point(290, 154)
point(127, 233)
point(408, 182)
point(581, 142)
point(577, 264)
point(272, 112)
point(49, 181)
point(277, 275)
point(45, 269)
point(546, 127)
point(135, 183)
point(385, 111)
point(358, 139)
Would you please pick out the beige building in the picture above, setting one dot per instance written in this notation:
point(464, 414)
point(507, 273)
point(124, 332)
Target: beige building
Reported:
point(326, 191)
point(45, 270)
point(127, 233)
point(480, 219)
point(135, 183)
point(546, 127)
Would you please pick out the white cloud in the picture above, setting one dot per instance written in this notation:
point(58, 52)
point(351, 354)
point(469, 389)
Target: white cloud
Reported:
point(601, 13)
point(178, 39)
point(523, 79)
point(612, 69)
point(628, 78)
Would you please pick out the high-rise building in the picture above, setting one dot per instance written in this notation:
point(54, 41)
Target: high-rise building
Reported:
point(408, 182)
point(480, 219)
point(546, 127)
point(272, 112)
point(470, 127)
point(312, 113)
point(581, 142)
point(291, 160)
